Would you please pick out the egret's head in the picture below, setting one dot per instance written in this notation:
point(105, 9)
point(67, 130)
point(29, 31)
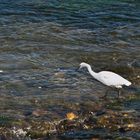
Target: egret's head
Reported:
point(83, 64)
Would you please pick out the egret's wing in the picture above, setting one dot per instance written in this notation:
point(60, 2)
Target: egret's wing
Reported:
point(112, 79)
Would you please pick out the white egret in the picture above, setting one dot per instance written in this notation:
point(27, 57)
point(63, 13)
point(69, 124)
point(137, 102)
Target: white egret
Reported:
point(108, 78)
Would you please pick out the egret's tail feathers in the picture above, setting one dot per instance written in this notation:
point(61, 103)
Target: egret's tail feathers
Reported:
point(128, 83)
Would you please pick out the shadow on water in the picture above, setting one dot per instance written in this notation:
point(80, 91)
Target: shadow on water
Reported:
point(42, 45)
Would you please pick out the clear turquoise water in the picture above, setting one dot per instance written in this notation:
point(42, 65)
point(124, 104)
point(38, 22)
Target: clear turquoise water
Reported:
point(43, 42)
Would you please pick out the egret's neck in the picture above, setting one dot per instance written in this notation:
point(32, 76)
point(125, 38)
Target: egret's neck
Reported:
point(91, 72)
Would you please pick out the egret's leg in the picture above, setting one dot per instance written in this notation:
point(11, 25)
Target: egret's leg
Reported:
point(119, 93)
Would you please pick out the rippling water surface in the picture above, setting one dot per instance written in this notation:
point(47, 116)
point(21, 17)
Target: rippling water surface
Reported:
point(42, 43)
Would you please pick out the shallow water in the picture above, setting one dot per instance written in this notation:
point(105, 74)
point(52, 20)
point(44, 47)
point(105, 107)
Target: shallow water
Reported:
point(43, 43)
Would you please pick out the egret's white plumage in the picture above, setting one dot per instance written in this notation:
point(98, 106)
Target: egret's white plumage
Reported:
point(107, 77)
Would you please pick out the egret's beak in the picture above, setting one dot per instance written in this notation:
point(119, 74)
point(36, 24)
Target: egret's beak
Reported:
point(78, 68)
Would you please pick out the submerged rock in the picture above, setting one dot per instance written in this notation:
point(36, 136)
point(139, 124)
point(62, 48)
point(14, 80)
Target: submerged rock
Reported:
point(82, 121)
